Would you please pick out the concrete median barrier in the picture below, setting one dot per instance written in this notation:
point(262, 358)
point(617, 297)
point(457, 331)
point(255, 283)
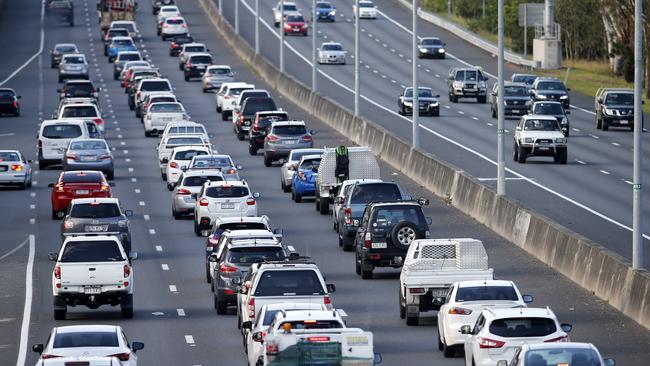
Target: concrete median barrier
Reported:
point(606, 274)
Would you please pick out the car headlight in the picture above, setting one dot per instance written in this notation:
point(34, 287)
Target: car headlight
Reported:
point(541, 96)
point(423, 50)
point(528, 140)
point(564, 121)
point(564, 97)
point(433, 104)
point(457, 84)
point(529, 102)
point(122, 223)
point(560, 140)
point(481, 84)
point(332, 13)
point(441, 50)
point(608, 111)
point(408, 103)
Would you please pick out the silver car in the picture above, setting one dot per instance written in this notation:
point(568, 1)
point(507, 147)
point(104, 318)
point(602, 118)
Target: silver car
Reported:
point(73, 66)
point(331, 53)
point(284, 137)
point(221, 162)
point(89, 154)
point(190, 183)
point(216, 75)
point(288, 169)
point(15, 169)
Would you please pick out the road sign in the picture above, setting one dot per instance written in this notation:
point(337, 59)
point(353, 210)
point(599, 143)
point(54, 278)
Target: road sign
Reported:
point(531, 14)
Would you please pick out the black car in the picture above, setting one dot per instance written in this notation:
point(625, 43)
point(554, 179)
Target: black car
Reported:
point(78, 89)
point(615, 108)
point(431, 47)
point(177, 42)
point(428, 102)
point(554, 109)
point(247, 111)
point(64, 9)
point(9, 102)
point(260, 127)
point(550, 89)
point(385, 232)
point(516, 97)
point(196, 65)
point(156, 4)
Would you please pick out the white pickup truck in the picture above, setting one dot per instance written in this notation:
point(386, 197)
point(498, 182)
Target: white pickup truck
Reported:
point(92, 271)
point(432, 266)
point(342, 346)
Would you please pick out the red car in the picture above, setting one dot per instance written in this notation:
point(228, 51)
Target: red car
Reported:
point(77, 184)
point(295, 24)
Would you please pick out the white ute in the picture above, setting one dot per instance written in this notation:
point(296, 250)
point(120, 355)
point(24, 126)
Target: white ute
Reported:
point(432, 266)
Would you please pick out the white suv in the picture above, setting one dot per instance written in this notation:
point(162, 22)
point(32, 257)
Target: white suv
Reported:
point(223, 199)
point(498, 333)
point(539, 135)
point(227, 97)
point(464, 304)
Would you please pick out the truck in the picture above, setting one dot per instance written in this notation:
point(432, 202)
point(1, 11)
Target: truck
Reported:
point(361, 164)
point(111, 10)
point(430, 268)
point(341, 346)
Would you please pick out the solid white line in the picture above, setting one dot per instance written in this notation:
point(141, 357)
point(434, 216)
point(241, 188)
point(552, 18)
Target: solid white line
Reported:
point(172, 288)
point(189, 339)
point(165, 267)
point(40, 50)
point(27, 311)
point(180, 312)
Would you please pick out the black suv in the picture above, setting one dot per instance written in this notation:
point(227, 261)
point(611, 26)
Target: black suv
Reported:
point(196, 65)
point(516, 98)
point(177, 42)
point(260, 127)
point(385, 232)
point(556, 110)
point(615, 108)
point(78, 89)
point(244, 115)
point(550, 89)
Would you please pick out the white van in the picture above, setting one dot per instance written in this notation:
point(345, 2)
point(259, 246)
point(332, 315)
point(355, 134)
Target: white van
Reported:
point(54, 137)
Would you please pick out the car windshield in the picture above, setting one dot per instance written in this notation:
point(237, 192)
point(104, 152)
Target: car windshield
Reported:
point(82, 177)
point(226, 192)
point(129, 56)
point(74, 60)
point(332, 47)
point(389, 216)
point(123, 42)
point(254, 254)
point(128, 26)
point(203, 59)
point(7, 95)
point(88, 145)
point(185, 141)
point(515, 91)
point(118, 32)
point(188, 154)
point(163, 100)
point(548, 108)
point(541, 125)
point(551, 85)
point(366, 5)
point(289, 283)
point(95, 210)
point(522, 327)
point(431, 42)
point(166, 108)
point(61, 131)
point(9, 156)
point(423, 93)
point(323, 5)
point(290, 7)
point(66, 49)
point(212, 162)
point(79, 111)
point(290, 130)
point(375, 192)
point(175, 21)
point(467, 75)
point(91, 251)
point(310, 165)
point(295, 19)
point(194, 49)
point(220, 71)
point(528, 79)
point(150, 85)
point(563, 356)
point(79, 89)
point(198, 181)
point(620, 98)
point(85, 339)
point(481, 293)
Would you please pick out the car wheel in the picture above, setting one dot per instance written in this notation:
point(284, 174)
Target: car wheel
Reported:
point(187, 77)
point(126, 307)
point(147, 133)
point(357, 266)
point(208, 278)
point(42, 165)
point(241, 136)
point(562, 157)
point(219, 304)
point(170, 187)
point(323, 206)
point(218, 109)
point(605, 124)
point(481, 100)
point(296, 197)
point(365, 274)
point(454, 99)
point(267, 160)
point(115, 76)
point(59, 314)
point(180, 67)
point(163, 176)
point(447, 351)
point(110, 175)
point(402, 308)
point(346, 242)
point(176, 215)
point(55, 215)
point(60, 79)
point(253, 151)
point(204, 90)
point(317, 203)
point(224, 115)
point(515, 153)
point(197, 229)
point(521, 155)
point(403, 234)
point(440, 344)
point(412, 320)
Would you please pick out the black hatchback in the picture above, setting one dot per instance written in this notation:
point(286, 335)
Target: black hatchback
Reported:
point(9, 102)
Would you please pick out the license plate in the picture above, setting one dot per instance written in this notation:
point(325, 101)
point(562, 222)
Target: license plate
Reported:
point(167, 119)
point(200, 67)
point(227, 206)
point(96, 228)
point(92, 290)
point(81, 191)
point(296, 29)
point(515, 111)
point(623, 121)
point(378, 245)
point(290, 142)
point(87, 158)
point(544, 148)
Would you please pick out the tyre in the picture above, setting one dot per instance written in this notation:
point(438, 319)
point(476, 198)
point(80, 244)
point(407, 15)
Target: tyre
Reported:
point(323, 206)
point(176, 215)
point(219, 304)
point(317, 204)
point(454, 99)
point(286, 188)
point(115, 76)
point(412, 320)
point(60, 308)
point(59, 314)
point(296, 197)
point(163, 176)
point(481, 100)
point(197, 229)
point(403, 234)
point(218, 109)
point(365, 273)
point(561, 157)
point(126, 307)
point(42, 165)
point(436, 113)
point(147, 133)
point(402, 308)
point(110, 175)
point(187, 77)
point(241, 136)
point(347, 243)
point(447, 351)
point(204, 90)
point(180, 67)
point(605, 124)
point(521, 155)
point(515, 153)
point(55, 215)
point(131, 104)
point(224, 115)
point(267, 160)
point(208, 278)
point(440, 344)
point(253, 151)
point(357, 266)
point(60, 79)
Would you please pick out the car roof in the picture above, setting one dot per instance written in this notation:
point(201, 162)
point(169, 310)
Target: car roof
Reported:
point(294, 306)
point(181, 135)
point(331, 42)
point(169, 7)
point(539, 116)
point(238, 84)
point(514, 83)
point(248, 232)
point(363, 180)
point(71, 55)
point(98, 200)
point(262, 113)
point(91, 238)
point(311, 156)
point(62, 121)
point(194, 54)
point(288, 123)
point(419, 88)
point(423, 38)
point(85, 328)
point(122, 22)
point(175, 18)
point(559, 345)
point(122, 38)
point(219, 67)
point(133, 52)
point(394, 203)
point(254, 242)
point(234, 183)
point(186, 148)
point(463, 284)
point(87, 139)
point(520, 313)
point(65, 44)
point(79, 104)
point(194, 44)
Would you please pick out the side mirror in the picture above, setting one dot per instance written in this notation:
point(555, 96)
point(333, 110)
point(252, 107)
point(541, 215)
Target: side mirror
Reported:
point(133, 256)
point(258, 337)
point(466, 329)
point(98, 89)
point(294, 255)
point(111, 184)
point(376, 359)
point(502, 363)
point(566, 327)
point(313, 132)
point(610, 362)
point(183, 168)
point(256, 194)
point(211, 135)
point(50, 185)
point(518, 128)
point(136, 346)
point(356, 223)
point(429, 221)
point(330, 287)
point(53, 257)
point(30, 161)
point(128, 213)
point(568, 89)
point(567, 112)
point(527, 298)
point(423, 201)
point(239, 167)
point(213, 258)
point(278, 232)
point(38, 348)
point(58, 90)
point(247, 325)
point(19, 97)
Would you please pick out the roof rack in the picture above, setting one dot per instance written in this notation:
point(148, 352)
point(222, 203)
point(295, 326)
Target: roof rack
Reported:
point(290, 260)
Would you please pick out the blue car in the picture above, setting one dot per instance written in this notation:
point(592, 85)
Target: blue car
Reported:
point(304, 180)
point(120, 44)
point(325, 11)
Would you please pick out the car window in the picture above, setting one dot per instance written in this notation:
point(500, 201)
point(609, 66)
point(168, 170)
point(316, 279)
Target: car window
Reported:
point(515, 91)
point(7, 95)
point(366, 193)
point(467, 75)
point(290, 7)
point(88, 145)
point(129, 57)
point(211, 162)
point(188, 154)
point(123, 42)
point(82, 177)
point(175, 21)
point(236, 91)
point(79, 111)
point(79, 89)
point(74, 60)
point(289, 283)
point(478, 293)
point(255, 104)
point(9, 156)
point(166, 108)
point(95, 211)
point(548, 108)
point(480, 323)
point(366, 5)
point(323, 5)
point(431, 42)
point(85, 339)
point(66, 49)
point(541, 125)
point(243, 226)
point(155, 86)
point(185, 141)
point(226, 192)
point(189, 49)
point(423, 93)
point(620, 98)
point(61, 131)
point(310, 165)
point(389, 216)
point(220, 71)
point(332, 47)
point(198, 181)
point(562, 356)
point(522, 327)
point(550, 85)
point(295, 18)
point(290, 130)
point(91, 251)
point(254, 254)
point(162, 99)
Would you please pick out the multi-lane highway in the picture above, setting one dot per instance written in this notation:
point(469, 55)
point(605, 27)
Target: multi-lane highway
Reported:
point(178, 324)
point(591, 195)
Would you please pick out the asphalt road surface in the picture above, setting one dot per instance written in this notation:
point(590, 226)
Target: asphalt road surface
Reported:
point(181, 327)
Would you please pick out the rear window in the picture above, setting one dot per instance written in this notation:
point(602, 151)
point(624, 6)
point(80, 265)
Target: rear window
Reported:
point(95, 211)
point(66, 49)
point(188, 155)
point(88, 145)
point(194, 49)
point(127, 26)
point(85, 177)
point(201, 59)
point(166, 108)
point(61, 131)
point(186, 129)
point(150, 85)
point(211, 163)
point(118, 32)
point(254, 254)
point(315, 324)
point(523, 327)
point(291, 130)
point(289, 283)
point(6, 95)
point(85, 339)
point(163, 99)
point(129, 57)
point(367, 193)
point(295, 18)
point(79, 111)
point(175, 21)
point(220, 71)
point(91, 251)
point(480, 293)
point(243, 226)
point(563, 356)
point(74, 60)
point(389, 216)
point(551, 85)
point(9, 156)
point(123, 42)
point(258, 104)
point(79, 89)
point(247, 95)
point(184, 141)
point(226, 192)
point(198, 181)
point(310, 165)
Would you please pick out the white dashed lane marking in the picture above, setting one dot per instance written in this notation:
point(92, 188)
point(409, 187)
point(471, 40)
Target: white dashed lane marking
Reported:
point(172, 288)
point(164, 267)
point(159, 248)
point(180, 312)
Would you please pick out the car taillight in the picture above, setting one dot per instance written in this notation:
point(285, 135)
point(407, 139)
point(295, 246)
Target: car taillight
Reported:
point(104, 156)
point(174, 45)
point(256, 128)
point(307, 138)
point(301, 175)
point(460, 311)
point(327, 300)
point(271, 349)
point(59, 187)
point(71, 156)
point(489, 343)
point(416, 290)
point(203, 202)
point(367, 241)
point(251, 307)
point(165, 25)
point(183, 191)
point(122, 356)
point(104, 187)
point(173, 164)
point(227, 269)
point(17, 167)
point(46, 356)
point(227, 97)
point(250, 201)
point(347, 215)
point(184, 25)
point(57, 272)
point(318, 339)
point(39, 143)
point(272, 138)
point(15, 104)
point(558, 339)
point(127, 271)
point(68, 224)
point(99, 121)
point(231, 171)
point(188, 64)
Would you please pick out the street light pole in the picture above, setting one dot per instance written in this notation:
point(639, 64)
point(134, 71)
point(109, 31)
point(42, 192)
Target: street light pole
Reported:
point(501, 171)
point(415, 106)
point(637, 208)
point(237, 16)
point(357, 58)
point(282, 36)
point(257, 27)
point(314, 64)
point(220, 7)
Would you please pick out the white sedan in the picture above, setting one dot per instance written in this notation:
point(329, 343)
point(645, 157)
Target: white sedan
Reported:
point(331, 53)
point(15, 169)
point(367, 10)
